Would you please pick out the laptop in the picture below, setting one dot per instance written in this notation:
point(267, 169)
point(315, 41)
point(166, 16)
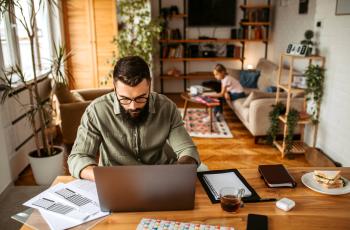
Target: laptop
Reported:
point(146, 187)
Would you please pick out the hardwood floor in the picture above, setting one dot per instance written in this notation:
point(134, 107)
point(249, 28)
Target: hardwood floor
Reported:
point(238, 152)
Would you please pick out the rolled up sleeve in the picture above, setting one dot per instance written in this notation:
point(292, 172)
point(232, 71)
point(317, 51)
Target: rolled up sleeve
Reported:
point(86, 145)
point(179, 139)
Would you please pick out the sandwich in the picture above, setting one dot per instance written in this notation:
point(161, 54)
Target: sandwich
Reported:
point(329, 179)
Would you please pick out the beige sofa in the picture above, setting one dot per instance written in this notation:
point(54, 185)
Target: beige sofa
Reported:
point(254, 109)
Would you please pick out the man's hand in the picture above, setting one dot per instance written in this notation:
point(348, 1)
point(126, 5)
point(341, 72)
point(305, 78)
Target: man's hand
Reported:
point(88, 173)
point(186, 160)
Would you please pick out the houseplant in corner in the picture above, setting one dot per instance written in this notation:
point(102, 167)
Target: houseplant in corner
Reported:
point(315, 81)
point(137, 31)
point(46, 160)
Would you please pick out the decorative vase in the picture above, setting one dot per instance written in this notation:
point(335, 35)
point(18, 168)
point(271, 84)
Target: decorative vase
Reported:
point(46, 169)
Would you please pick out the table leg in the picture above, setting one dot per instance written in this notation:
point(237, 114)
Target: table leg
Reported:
point(185, 110)
point(211, 119)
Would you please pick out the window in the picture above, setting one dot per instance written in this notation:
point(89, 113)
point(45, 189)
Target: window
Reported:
point(5, 46)
point(22, 15)
point(15, 44)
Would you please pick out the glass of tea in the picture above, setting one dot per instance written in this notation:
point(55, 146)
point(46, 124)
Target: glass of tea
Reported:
point(231, 198)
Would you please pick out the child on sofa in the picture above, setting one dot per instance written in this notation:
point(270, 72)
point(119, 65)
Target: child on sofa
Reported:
point(230, 88)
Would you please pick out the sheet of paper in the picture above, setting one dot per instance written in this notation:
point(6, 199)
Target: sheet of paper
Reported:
point(221, 180)
point(58, 223)
point(68, 205)
point(86, 187)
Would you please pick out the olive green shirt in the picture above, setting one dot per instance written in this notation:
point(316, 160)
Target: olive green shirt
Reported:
point(103, 130)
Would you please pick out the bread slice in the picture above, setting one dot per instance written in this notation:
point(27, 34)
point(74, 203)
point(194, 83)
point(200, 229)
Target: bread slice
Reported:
point(327, 176)
point(329, 179)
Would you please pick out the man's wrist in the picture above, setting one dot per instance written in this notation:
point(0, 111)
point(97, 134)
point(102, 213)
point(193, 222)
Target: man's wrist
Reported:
point(187, 160)
point(87, 172)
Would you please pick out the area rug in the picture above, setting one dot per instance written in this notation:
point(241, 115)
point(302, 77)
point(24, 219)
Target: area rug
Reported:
point(197, 124)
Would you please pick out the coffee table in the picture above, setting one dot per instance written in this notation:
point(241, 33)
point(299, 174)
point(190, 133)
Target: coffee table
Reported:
point(190, 99)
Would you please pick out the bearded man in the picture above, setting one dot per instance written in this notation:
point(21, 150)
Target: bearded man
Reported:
point(130, 126)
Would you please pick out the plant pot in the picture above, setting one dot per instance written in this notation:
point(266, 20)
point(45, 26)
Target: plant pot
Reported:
point(46, 169)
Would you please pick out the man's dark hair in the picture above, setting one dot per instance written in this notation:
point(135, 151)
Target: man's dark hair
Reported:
point(131, 70)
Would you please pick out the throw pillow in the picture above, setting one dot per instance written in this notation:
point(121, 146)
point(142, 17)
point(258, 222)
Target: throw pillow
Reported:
point(259, 95)
point(271, 89)
point(234, 73)
point(249, 78)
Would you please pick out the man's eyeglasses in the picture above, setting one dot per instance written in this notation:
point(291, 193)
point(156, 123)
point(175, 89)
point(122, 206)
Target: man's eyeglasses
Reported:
point(127, 101)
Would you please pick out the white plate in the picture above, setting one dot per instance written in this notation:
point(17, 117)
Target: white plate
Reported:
point(310, 182)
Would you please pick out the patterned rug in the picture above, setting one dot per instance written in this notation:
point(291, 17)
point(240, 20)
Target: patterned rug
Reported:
point(197, 124)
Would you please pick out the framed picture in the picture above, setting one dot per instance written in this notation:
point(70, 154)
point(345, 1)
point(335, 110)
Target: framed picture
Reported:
point(342, 7)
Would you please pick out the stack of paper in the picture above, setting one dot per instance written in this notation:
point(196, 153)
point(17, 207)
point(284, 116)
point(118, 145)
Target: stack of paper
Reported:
point(67, 205)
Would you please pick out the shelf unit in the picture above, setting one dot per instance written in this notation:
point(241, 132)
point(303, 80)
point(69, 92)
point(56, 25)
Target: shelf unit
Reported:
point(185, 42)
point(299, 147)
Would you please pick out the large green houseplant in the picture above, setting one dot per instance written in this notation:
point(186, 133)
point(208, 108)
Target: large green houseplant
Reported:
point(137, 31)
point(39, 109)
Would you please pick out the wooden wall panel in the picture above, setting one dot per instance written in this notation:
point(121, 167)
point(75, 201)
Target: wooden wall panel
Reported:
point(105, 20)
point(89, 28)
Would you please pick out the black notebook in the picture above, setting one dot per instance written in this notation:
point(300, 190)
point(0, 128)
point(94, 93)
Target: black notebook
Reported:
point(276, 176)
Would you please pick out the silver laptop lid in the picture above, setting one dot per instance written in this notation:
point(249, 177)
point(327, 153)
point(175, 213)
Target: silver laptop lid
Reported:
point(146, 187)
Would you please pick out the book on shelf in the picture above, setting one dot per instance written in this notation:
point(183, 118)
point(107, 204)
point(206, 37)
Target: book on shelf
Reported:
point(255, 33)
point(257, 15)
point(172, 51)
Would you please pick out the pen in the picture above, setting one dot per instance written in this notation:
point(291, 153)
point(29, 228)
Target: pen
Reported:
point(267, 199)
point(261, 200)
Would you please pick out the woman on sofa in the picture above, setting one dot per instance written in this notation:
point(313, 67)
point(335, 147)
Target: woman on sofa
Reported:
point(230, 88)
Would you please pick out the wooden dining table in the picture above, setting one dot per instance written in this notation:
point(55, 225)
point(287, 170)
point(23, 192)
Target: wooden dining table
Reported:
point(313, 210)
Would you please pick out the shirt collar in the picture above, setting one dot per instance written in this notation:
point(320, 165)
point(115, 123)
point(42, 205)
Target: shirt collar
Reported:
point(116, 105)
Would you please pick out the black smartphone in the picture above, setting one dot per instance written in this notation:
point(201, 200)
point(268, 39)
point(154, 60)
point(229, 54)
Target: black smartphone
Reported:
point(257, 222)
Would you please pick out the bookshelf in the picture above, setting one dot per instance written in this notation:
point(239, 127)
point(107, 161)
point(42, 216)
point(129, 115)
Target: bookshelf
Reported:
point(176, 47)
point(299, 147)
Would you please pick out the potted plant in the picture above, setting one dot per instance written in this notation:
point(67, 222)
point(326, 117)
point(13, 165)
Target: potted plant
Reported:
point(315, 81)
point(137, 32)
point(46, 160)
point(309, 34)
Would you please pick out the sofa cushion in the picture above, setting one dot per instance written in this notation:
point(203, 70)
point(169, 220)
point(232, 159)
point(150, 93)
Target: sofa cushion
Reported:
point(260, 95)
point(249, 78)
point(233, 72)
point(243, 112)
point(64, 95)
point(78, 97)
point(267, 73)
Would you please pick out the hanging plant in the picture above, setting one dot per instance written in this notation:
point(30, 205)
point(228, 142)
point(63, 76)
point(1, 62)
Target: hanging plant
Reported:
point(315, 81)
point(292, 121)
point(274, 129)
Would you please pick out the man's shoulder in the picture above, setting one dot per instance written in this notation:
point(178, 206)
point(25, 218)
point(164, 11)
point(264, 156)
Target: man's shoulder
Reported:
point(162, 100)
point(102, 102)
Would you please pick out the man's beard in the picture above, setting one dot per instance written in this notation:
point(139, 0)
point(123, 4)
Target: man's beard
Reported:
point(136, 120)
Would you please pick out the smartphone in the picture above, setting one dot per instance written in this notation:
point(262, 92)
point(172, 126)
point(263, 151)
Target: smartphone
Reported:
point(257, 222)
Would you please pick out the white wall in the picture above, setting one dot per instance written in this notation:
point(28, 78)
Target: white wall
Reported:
point(333, 38)
point(288, 26)
point(253, 52)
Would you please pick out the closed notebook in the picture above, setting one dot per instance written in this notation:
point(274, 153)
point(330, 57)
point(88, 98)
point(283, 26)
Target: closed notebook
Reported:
point(276, 176)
